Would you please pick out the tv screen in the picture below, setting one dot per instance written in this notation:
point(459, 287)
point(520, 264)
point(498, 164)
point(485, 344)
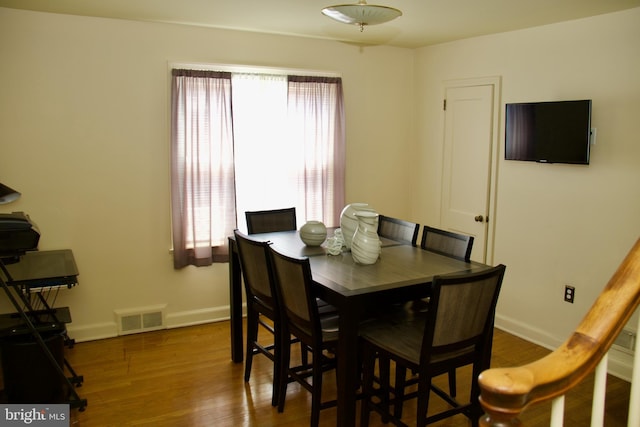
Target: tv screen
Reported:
point(548, 132)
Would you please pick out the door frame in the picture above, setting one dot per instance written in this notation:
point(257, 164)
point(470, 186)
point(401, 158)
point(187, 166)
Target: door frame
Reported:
point(496, 82)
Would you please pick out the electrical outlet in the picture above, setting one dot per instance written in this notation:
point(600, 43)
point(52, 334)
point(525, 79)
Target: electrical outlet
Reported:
point(569, 293)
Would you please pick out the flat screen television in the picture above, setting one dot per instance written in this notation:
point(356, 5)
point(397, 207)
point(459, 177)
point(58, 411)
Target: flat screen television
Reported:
point(548, 132)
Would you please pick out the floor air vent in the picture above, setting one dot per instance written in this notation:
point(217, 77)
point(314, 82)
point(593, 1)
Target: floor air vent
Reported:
point(626, 341)
point(140, 320)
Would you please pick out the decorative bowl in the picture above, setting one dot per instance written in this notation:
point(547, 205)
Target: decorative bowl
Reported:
point(313, 233)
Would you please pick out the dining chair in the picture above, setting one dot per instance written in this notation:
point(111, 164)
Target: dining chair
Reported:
point(401, 231)
point(271, 220)
point(303, 320)
point(262, 302)
point(398, 229)
point(457, 331)
point(450, 244)
point(447, 243)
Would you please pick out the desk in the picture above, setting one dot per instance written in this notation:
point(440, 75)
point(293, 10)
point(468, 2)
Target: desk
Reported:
point(44, 269)
point(34, 274)
point(402, 273)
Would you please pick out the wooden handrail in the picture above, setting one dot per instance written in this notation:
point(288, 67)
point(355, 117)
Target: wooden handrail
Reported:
point(506, 392)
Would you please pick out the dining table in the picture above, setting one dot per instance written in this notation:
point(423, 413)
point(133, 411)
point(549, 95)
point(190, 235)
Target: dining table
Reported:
point(403, 272)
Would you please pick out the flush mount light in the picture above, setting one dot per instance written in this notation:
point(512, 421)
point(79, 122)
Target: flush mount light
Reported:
point(361, 13)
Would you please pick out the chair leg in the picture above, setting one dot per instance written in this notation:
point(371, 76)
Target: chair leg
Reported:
point(424, 391)
point(304, 354)
point(285, 356)
point(384, 371)
point(277, 363)
point(452, 382)
point(252, 336)
point(316, 393)
point(368, 362)
point(401, 377)
point(476, 410)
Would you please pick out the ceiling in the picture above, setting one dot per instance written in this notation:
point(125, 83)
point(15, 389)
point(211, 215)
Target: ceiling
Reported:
point(424, 22)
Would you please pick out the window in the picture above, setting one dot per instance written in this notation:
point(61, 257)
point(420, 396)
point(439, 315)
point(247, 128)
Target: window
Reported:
point(247, 141)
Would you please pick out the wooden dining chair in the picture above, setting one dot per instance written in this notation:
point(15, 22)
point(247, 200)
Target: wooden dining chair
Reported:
point(271, 220)
point(303, 320)
point(444, 243)
point(262, 302)
point(447, 243)
point(398, 229)
point(457, 331)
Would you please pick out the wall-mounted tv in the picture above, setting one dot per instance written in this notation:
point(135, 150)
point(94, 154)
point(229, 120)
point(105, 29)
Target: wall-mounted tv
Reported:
point(548, 132)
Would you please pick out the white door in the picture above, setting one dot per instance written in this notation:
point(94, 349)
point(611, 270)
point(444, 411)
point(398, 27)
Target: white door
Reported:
point(470, 151)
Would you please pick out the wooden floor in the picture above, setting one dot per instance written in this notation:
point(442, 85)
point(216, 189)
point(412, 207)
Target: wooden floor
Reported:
point(185, 377)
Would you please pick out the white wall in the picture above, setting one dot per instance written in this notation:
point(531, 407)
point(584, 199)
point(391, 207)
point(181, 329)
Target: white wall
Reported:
point(555, 224)
point(84, 136)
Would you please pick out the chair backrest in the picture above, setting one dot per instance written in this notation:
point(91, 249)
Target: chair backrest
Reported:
point(461, 314)
point(447, 243)
point(256, 269)
point(398, 229)
point(293, 280)
point(271, 220)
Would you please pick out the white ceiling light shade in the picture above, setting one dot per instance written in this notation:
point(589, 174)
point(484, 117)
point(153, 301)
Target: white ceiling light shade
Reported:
point(8, 194)
point(361, 13)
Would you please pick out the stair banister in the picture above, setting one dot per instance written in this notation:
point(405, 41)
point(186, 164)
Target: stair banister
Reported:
point(506, 392)
point(634, 410)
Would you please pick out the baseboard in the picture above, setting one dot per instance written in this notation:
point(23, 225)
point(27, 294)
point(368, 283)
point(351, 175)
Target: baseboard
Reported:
point(526, 332)
point(97, 331)
point(181, 319)
point(620, 364)
point(197, 317)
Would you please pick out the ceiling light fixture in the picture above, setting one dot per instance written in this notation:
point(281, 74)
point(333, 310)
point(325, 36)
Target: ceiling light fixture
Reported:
point(8, 194)
point(361, 14)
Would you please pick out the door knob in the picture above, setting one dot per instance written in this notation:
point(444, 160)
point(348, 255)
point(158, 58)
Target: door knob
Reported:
point(479, 218)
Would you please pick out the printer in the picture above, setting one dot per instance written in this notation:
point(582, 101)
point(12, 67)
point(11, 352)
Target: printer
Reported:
point(18, 234)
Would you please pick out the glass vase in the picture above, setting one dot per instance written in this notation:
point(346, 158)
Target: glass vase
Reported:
point(366, 246)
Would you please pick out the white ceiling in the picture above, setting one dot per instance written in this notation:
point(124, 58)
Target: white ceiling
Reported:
point(424, 22)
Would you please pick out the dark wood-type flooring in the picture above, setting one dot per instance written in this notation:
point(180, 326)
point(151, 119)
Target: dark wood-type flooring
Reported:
point(184, 377)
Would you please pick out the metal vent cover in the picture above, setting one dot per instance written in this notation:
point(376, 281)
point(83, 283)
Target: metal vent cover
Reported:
point(131, 321)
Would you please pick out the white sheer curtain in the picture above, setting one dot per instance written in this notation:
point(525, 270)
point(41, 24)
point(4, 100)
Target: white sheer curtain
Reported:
point(289, 145)
point(202, 167)
point(251, 142)
point(316, 124)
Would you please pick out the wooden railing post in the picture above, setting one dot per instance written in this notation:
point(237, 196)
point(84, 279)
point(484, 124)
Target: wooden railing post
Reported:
point(506, 392)
point(634, 409)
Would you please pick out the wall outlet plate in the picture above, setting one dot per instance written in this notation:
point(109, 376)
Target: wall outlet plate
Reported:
point(569, 293)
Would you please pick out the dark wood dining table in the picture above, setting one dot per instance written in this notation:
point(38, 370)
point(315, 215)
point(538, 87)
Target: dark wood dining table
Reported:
point(402, 273)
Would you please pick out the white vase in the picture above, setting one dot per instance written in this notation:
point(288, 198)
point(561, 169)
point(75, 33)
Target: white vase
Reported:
point(366, 246)
point(313, 233)
point(349, 222)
